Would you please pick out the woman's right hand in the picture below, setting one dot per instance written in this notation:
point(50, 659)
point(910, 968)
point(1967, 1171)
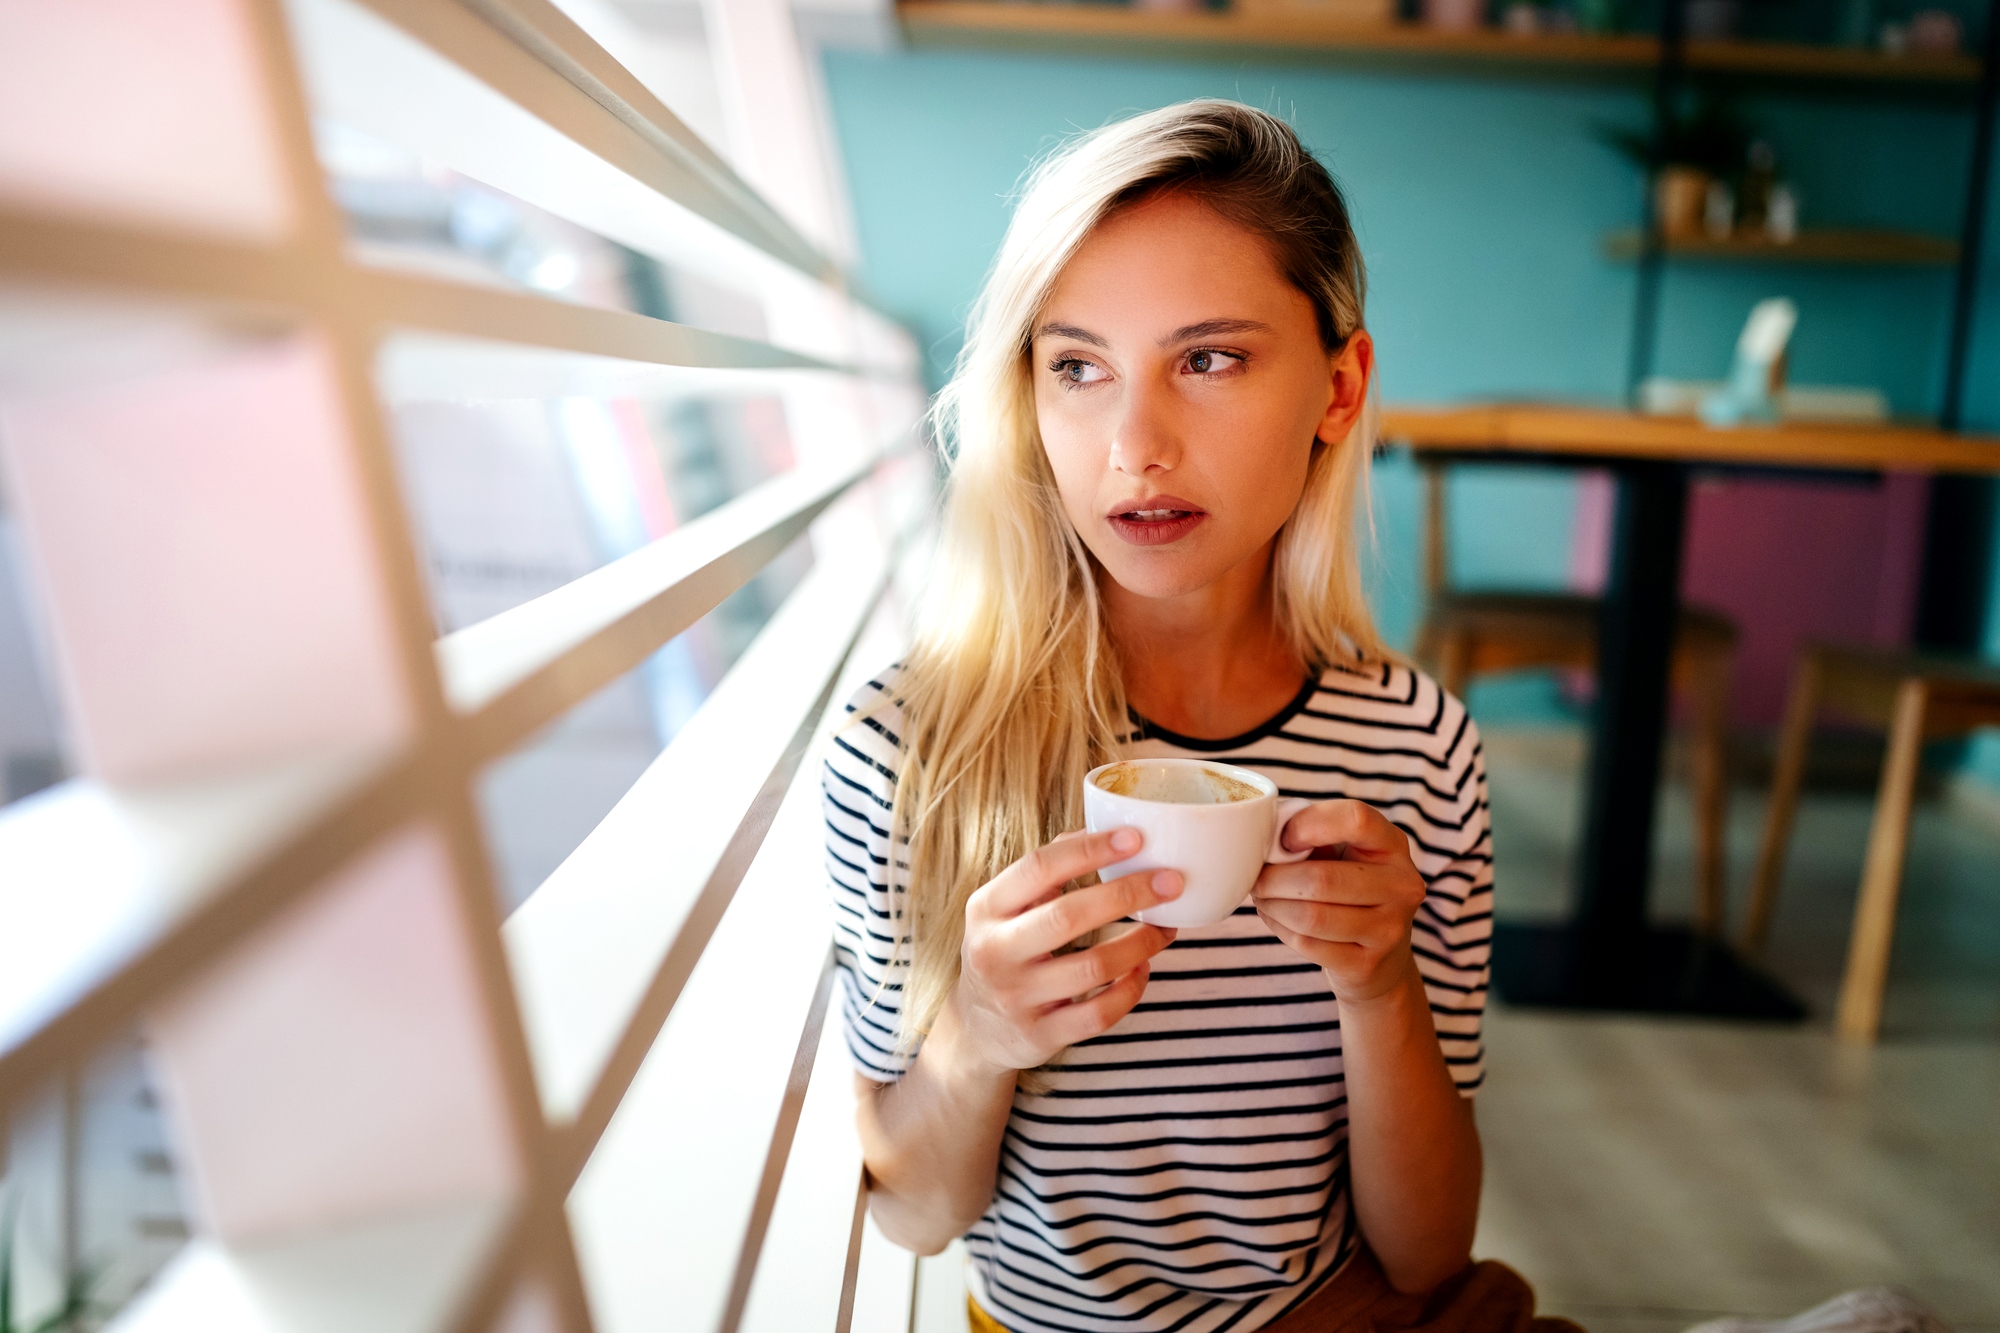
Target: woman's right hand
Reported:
point(1018, 1000)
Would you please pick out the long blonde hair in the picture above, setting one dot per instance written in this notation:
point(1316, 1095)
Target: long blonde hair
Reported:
point(1012, 689)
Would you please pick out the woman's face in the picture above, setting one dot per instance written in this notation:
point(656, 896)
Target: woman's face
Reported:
point(1180, 384)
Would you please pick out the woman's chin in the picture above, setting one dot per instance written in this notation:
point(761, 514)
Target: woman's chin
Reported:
point(1161, 575)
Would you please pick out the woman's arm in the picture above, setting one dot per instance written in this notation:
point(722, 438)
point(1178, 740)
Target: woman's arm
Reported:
point(931, 1140)
point(1413, 1151)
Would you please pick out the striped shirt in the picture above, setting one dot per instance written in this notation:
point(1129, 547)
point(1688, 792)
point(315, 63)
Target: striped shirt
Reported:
point(1186, 1171)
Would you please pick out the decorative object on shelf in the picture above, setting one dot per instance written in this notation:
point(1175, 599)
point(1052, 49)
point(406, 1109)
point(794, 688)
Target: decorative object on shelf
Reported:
point(1336, 11)
point(1680, 198)
point(1455, 15)
point(1753, 189)
point(1718, 213)
point(1525, 19)
point(1935, 32)
point(1758, 372)
point(1713, 20)
point(1705, 143)
point(1781, 214)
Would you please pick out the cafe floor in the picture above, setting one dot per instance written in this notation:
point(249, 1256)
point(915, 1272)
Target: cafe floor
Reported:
point(1647, 1174)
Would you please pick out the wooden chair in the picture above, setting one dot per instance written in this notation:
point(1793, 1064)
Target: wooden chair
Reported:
point(1915, 698)
point(1466, 635)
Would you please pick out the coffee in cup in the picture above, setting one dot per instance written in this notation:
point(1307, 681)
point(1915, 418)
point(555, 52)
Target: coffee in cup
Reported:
point(1215, 823)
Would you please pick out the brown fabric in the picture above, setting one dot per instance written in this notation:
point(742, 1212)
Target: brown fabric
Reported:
point(1486, 1297)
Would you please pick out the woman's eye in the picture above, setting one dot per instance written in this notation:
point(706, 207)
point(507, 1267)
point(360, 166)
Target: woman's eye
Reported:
point(1208, 362)
point(1079, 372)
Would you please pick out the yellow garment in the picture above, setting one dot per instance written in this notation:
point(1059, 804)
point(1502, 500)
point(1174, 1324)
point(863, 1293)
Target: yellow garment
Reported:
point(981, 1321)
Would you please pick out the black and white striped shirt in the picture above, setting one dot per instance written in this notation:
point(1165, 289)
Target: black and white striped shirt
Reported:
point(1187, 1170)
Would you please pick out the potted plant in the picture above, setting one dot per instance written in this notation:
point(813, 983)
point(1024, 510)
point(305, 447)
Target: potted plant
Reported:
point(1703, 143)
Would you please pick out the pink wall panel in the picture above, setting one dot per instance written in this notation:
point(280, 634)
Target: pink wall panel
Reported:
point(1790, 560)
point(145, 108)
point(214, 594)
point(1794, 560)
point(339, 1065)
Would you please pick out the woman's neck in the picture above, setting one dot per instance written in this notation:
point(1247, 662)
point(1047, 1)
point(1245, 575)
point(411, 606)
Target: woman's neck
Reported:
point(1209, 663)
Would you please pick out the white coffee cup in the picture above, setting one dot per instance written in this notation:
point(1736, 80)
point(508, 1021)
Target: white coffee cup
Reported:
point(1215, 823)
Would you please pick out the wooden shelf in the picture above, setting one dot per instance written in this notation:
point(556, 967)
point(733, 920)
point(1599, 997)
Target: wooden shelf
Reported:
point(1098, 29)
point(1598, 435)
point(1831, 246)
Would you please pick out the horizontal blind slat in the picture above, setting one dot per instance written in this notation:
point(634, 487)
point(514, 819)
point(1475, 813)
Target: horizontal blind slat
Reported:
point(601, 950)
point(515, 671)
point(268, 283)
point(405, 1275)
point(683, 1167)
point(534, 56)
point(807, 1261)
point(113, 896)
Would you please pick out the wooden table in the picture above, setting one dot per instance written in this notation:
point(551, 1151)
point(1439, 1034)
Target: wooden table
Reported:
point(1608, 956)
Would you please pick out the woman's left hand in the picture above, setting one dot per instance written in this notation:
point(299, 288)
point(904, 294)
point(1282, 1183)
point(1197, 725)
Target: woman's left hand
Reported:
point(1349, 907)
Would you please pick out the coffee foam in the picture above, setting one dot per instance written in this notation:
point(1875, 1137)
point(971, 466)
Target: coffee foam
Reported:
point(1179, 784)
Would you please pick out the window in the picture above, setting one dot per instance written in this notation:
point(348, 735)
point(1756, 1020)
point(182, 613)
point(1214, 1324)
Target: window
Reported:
point(450, 503)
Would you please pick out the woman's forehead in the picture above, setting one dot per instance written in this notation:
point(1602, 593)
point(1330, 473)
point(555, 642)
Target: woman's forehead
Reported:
point(1171, 265)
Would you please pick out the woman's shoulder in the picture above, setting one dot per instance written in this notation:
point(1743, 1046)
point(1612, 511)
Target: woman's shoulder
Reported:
point(867, 749)
point(1395, 696)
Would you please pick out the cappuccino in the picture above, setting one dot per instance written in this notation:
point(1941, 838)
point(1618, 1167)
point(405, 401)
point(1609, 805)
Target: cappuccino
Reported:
point(1178, 784)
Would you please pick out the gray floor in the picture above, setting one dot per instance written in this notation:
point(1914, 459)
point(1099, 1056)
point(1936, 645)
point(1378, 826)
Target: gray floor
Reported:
point(1647, 1174)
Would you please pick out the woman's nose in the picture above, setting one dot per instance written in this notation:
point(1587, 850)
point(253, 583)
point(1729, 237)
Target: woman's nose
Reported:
point(1146, 438)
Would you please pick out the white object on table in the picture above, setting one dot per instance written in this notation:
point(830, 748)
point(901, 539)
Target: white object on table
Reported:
point(1827, 403)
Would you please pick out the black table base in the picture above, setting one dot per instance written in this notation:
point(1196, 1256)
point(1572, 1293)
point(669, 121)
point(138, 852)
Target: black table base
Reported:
point(1609, 956)
point(1664, 970)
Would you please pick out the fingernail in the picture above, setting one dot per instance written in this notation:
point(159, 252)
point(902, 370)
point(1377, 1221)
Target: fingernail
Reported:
point(1167, 884)
point(1125, 840)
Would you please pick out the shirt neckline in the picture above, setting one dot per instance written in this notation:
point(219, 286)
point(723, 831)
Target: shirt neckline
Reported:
point(1153, 731)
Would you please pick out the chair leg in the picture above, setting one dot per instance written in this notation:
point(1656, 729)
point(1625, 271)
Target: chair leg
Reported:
point(1711, 793)
point(1793, 742)
point(1437, 542)
point(1860, 1013)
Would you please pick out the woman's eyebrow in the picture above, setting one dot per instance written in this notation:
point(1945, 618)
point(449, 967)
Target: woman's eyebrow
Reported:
point(1210, 328)
point(1071, 332)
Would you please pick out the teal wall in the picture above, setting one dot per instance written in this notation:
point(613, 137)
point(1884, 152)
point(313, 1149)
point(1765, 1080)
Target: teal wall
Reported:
point(1480, 203)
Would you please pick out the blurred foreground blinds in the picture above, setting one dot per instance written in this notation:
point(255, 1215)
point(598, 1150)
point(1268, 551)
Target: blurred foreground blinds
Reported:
point(445, 497)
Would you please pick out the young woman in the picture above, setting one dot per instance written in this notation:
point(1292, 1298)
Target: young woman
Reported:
point(1161, 428)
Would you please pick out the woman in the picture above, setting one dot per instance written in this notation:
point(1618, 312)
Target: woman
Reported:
point(1161, 426)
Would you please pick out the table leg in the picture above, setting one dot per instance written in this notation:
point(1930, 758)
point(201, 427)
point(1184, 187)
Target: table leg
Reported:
point(1608, 956)
point(1635, 642)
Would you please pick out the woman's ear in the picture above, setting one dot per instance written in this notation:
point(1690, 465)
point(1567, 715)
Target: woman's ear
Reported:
point(1348, 373)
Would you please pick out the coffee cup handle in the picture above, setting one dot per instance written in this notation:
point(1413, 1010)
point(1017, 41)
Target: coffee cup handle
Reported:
point(1279, 853)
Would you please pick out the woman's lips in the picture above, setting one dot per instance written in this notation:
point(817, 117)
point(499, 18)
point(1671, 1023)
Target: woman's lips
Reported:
point(1156, 520)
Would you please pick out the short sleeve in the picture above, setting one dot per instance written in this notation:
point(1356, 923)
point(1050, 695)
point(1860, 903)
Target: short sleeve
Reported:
point(1452, 935)
point(858, 785)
